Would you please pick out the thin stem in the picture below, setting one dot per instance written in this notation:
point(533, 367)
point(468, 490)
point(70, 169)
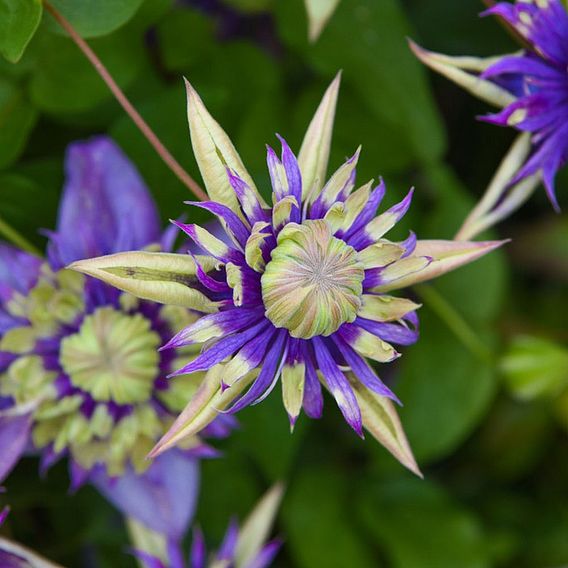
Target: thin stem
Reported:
point(454, 320)
point(162, 151)
point(12, 236)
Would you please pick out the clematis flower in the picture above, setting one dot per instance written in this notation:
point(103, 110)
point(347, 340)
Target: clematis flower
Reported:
point(298, 292)
point(531, 86)
point(244, 547)
point(80, 373)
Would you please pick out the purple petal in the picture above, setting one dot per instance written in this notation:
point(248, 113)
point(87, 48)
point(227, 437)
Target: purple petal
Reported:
point(269, 374)
point(229, 544)
point(368, 212)
point(362, 370)
point(228, 322)
point(222, 212)
point(397, 333)
point(221, 350)
point(19, 271)
point(106, 207)
point(148, 560)
point(198, 550)
point(313, 397)
point(163, 498)
point(14, 436)
point(265, 557)
point(339, 386)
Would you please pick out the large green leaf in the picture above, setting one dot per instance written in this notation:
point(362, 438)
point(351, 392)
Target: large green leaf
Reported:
point(20, 194)
point(318, 526)
point(17, 118)
point(446, 390)
point(368, 41)
point(420, 527)
point(19, 20)
point(93, 18)
point(64, 82)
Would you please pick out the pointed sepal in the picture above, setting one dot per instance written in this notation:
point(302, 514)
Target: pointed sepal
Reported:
point(257, 527)
point(214, 153)
point(213, 396)
point(445, 256)
point(160, 277)
point(381, 420)
point(456, 69)
point(314, 153)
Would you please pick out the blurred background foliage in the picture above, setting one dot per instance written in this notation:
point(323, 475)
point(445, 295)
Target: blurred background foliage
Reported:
point(486, 388)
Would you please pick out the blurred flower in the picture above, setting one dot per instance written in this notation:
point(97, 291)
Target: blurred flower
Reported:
point(244, 547)
point(532, 85)
point(80, 374)
point(298, 290)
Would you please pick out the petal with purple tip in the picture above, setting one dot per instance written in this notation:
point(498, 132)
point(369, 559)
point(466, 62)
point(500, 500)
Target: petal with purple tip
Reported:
point(338, 385)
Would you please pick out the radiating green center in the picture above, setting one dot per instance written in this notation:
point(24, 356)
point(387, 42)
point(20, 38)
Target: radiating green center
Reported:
point(113, 356)
point(313, 283)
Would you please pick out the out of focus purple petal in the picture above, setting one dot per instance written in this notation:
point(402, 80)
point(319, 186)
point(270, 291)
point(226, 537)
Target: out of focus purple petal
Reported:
point(106, 207)
point(198, 551)
point(14, 437)
point(163, 498)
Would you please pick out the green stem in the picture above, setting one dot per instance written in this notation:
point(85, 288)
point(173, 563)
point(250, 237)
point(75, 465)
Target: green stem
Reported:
point(11, 235)
point(455, 321)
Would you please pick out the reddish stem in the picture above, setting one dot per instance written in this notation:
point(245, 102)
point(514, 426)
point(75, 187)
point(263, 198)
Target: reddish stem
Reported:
point(162, 151)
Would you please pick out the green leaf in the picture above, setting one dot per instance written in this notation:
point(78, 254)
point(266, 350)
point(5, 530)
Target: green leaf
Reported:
point(446, 390)
point(535, 367)
point(379, 66)
point(17, 118)
point(420, 527)
point(19, 20)
point(93, 18)
point(317, 521)
point(20, 194)
point(64, 81)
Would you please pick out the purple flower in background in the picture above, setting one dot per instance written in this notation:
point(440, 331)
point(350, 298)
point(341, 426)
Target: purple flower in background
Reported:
point(297, 292)
point(531, 86)
point(541, 107)
point(80, 373)
point(242, 547)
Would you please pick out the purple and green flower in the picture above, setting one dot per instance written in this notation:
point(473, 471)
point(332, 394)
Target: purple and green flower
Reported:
point(81, 376)
point(299, 292)
point(530, 86)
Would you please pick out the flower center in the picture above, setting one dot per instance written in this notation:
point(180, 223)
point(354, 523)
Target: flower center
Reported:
point(313, 283)
point(113, 356)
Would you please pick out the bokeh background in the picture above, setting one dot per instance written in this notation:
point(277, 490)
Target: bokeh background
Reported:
point(494, 452)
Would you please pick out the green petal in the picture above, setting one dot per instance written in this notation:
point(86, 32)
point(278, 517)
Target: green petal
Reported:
point(453, 69)
point(381, 420)
point(214, 153)
point(314, 153)
point(160, 277)
point(293, 378)
point(319, 12)
point(446, 256)
point(257, 527)
point(385, 308)
point(203, 408)
point(253, 251)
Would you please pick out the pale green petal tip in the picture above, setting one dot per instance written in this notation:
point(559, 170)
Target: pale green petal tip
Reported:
point(165, 278)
